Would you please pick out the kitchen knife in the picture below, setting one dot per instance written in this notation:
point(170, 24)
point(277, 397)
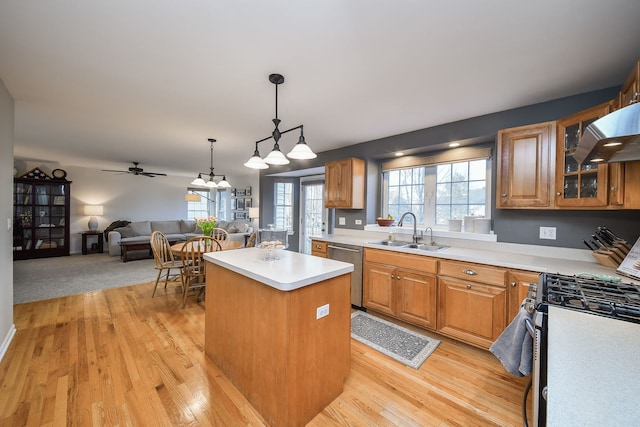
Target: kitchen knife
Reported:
point(612, 241)
point(616, 238)
point(589, 246)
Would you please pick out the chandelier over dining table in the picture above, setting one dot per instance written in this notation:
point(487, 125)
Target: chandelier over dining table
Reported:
point(300, 151)
point(211, 183)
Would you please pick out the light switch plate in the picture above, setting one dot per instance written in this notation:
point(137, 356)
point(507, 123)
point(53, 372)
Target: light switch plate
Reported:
point(358, 222)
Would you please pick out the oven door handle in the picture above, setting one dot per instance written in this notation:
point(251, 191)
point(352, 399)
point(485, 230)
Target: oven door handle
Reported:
point(530, 328)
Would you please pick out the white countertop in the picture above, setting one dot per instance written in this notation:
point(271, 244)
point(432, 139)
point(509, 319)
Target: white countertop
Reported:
point(291, 271)
point(593, 373)
point(550, 259)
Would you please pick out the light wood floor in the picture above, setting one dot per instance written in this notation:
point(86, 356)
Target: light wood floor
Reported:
point(119, 357)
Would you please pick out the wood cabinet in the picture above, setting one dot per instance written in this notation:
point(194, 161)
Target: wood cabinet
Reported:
point(579, 185)
point(519, 282)
point(401, 286)
point(630, 91)
point(526, 166)
point(472, 302)
point(344, 184)
point(40, 217)
point(319, 248)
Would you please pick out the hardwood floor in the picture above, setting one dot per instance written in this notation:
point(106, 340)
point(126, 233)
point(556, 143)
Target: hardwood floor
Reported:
point(120, 357)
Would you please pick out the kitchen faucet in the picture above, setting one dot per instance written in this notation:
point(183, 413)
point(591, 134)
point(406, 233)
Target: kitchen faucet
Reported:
point(431, 241)
point(415, 231)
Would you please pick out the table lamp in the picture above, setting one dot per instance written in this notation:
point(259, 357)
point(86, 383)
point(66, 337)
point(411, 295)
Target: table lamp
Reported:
point(254, 213)
point(93, 211)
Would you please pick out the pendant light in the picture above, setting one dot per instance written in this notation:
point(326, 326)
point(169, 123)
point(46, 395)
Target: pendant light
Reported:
point(211, 183)
point(300, 151)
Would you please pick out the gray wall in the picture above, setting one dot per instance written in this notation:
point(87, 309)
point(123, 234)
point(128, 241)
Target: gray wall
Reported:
point(6, 213)
point(515, 226)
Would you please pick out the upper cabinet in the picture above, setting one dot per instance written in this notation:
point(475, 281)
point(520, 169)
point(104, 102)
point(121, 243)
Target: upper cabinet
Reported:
point(579, 185)
point(526, 166)
point(344, 184)
point(630, 91)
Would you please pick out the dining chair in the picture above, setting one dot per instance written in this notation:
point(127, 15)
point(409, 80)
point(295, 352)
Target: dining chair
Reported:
point(252, 240)
point(164, 259)
point(193, 264)
point(220, 234)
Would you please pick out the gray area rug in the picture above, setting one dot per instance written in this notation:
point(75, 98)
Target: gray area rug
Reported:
point(45, 278)
point(401, 344)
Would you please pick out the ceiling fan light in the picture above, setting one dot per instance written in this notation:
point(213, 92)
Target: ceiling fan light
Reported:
point(275, 157)
point(224, 183)
point(199, 181)
point(301, 151)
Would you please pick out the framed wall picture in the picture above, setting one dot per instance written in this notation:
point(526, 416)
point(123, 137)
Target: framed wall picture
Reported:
point(233, 204)
point(240, 215)
point(247, 203)
point(240, 193)
point(240, 205)
point(247, 191)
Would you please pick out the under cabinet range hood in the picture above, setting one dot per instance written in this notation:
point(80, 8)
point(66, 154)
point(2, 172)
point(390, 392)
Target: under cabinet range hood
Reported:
point(612, 138)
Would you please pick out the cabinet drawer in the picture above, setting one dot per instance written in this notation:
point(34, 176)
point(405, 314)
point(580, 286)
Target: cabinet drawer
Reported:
point(319, 248)
point(474, 272)
point(423, 263)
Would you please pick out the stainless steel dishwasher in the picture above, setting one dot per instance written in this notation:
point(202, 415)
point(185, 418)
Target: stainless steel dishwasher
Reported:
point(353, 255)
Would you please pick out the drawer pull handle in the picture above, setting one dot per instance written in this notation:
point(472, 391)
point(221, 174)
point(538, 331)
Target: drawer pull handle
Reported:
point(513, 284)
point(469, 272)
point(468, 286)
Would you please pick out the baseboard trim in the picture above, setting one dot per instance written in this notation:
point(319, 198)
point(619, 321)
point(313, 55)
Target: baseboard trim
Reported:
point(7, 341)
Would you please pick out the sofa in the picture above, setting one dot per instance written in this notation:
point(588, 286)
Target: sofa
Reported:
point(175, 231)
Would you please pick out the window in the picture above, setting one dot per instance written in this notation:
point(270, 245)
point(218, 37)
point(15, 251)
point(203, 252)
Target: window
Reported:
point(283, 209)
point(198, 209)
point(222, 200)
point(437, 193)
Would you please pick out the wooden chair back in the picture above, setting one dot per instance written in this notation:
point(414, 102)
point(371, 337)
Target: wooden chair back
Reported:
point(193, 264)
point(161, 250)
point(220, 234)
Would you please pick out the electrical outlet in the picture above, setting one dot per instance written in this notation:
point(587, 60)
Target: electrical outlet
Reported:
point(358, 222)
point(548, 233)
point(322, 311)
point(342, 221)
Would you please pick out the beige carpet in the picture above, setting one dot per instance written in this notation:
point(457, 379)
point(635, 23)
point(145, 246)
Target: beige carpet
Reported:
point(39, 279)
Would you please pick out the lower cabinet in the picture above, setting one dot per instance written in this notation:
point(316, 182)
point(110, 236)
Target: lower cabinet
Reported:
point(402, 286)
point(519, 282)
point(319, 248)
point(472, 302)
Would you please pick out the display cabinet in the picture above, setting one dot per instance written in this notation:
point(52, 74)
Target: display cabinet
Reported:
point(40, 216)
point(579, 184)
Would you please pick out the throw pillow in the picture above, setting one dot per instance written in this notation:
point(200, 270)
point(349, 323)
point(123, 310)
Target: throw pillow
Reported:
point(126, 231)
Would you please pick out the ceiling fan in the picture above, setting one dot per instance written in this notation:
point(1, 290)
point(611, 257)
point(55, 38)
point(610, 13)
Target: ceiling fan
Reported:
point(135, 170)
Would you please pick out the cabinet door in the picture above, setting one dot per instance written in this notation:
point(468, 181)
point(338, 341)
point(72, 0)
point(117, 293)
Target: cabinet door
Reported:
point(344, 184)
point(519, 282)
point(416, 301)
point(630, 91)
point(526, 166)
point(472, 312)
point(579, 184)
point(379, 281)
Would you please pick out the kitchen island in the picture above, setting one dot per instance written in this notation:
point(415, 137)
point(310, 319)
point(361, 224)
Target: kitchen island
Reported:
point(280, 330)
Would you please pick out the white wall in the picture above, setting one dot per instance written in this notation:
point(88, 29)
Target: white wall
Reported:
point(125, 196)
point(7, 328)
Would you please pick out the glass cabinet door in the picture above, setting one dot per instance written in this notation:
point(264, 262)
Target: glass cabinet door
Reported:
point(579, 184)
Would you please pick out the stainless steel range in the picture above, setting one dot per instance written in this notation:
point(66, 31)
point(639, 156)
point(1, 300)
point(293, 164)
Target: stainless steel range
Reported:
point(585, 297)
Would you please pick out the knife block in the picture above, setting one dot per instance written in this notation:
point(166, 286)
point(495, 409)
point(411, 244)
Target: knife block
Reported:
point(606, 260)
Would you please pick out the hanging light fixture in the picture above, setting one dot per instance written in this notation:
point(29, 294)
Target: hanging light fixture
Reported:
point(300, 151)
point(211, 183)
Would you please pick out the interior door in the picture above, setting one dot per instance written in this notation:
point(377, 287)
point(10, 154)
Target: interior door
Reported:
point(313, 214)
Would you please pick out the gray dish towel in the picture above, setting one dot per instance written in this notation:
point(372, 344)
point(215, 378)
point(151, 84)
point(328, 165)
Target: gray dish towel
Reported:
point(514, 346)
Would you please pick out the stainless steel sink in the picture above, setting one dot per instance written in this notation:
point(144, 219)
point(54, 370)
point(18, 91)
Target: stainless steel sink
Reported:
point(424, 247)
point(398, 243)
point(409, 245)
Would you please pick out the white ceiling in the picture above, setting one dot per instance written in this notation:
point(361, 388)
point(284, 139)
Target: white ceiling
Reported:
point(103, 83)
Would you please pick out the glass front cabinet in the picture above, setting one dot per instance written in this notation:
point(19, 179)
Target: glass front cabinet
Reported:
point(40, 218)
point(579, 184)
